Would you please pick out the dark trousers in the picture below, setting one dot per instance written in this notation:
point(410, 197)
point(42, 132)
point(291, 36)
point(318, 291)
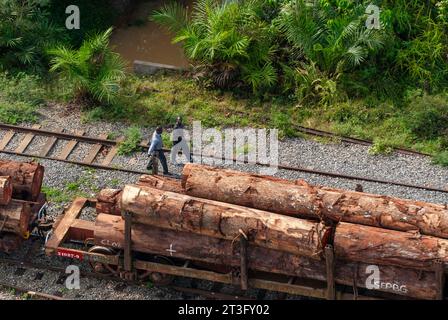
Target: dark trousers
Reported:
point(162, 158)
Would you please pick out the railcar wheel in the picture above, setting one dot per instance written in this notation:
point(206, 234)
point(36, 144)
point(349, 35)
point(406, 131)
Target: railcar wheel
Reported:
point(160, 279)
point(103, 268)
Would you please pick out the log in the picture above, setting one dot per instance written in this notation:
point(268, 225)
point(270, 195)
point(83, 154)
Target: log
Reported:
point(15, 217)
point(5, 190)
point(303, 200)
point(215, 219)
point(373, 245)
point(109, 231)
point(26, 178)
point(161, 183)
point(108, 201)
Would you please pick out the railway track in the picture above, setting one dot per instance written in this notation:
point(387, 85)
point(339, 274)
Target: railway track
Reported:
point(188, 291)
point(102, 145)
point(363, 142)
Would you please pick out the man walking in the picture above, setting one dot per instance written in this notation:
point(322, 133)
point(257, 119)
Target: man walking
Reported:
point(156, 150)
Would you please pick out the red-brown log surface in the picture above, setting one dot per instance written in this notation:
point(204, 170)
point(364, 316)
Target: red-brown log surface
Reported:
point(16, 217)
point(303, 200)
point(5, 190)
point(108, 201)
point(184, 213)
point(26, 178)
point(160, 182)
point(373, 245)
point(109, 231)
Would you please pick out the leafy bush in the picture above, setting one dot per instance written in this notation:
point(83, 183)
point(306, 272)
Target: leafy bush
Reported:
point(229, 39)
point(19, 98)
point(25, 33)
point(17, 113)
point(96, 16)
point(441, 158)
point(380, 147)
point(131, 142)
point(429, 116)
point(94, 69)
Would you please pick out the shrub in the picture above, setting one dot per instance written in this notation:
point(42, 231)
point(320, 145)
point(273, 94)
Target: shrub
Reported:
point(131, 143)
point(94, 69)
point(17, 113)
point(19, 98)
point(25, 33)
point(441, 158)
point(380, 147)
point(428, 118)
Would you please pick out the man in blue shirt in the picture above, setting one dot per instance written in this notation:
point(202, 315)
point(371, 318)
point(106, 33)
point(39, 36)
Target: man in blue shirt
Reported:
point(156, 148)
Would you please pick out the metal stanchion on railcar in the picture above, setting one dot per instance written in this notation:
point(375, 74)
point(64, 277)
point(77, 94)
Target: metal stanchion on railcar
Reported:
point(440, 278)
point(128, 263)
point(329, 260)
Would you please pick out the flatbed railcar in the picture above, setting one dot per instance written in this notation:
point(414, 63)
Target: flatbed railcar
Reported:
point(130, 265)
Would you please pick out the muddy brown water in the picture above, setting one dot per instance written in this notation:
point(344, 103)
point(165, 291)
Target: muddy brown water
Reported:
point(145, 40)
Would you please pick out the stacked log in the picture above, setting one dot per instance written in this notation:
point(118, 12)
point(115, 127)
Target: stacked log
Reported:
point(286, 224)
point(20, 186)
point(108, 201)
point(303, 200)
point(366, 244)
point(179, 212)
point(26, 178)
point(109, 231)
point(162, 183)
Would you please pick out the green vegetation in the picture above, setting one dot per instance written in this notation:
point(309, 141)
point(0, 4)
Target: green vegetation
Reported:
point(19, 98)
point(94, 69)
point(84, 186)
point(25, 33)
point(96, 16)
point(276, 63)
point(131, 142)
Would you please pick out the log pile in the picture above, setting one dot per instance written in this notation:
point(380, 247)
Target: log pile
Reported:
point(285, 226)
point(20, 190)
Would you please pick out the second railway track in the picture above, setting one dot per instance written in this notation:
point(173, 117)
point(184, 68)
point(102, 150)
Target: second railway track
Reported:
point(102, 144)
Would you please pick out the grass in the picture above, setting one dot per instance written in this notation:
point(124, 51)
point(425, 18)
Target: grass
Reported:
point(81, 187)
point(417, 122)
point(20, 97)
point(131, 142)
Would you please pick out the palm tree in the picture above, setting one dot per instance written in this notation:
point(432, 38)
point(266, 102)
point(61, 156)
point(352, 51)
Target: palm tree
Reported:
point(227, 37)
point(94, 69)
point(335, 41)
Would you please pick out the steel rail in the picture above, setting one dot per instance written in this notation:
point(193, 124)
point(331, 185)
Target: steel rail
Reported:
point(321, 133)
point(31, 293)
point(113, 143)
point(183, 289)
point(109, 142)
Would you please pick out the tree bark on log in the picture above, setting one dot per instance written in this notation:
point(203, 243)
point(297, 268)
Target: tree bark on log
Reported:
point(303, 200)
point(108, 201)
point(366, 244)
point(161, 183)
point(15, 217)
point(5, 190)
point(26, 178)
point(109, 231)
point(215, 219)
